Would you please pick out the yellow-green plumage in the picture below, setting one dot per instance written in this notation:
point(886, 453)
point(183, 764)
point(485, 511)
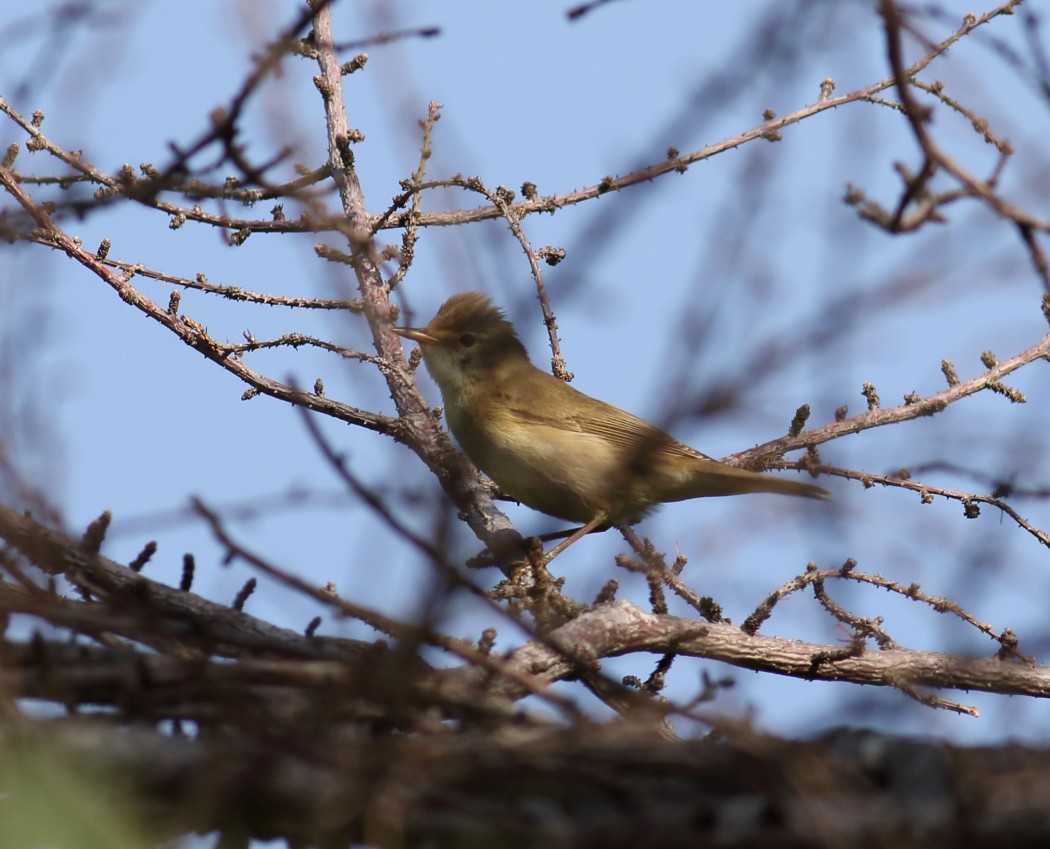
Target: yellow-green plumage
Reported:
point(550, 446)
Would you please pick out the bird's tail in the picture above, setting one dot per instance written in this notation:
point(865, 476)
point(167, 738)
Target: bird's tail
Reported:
point(718, 479)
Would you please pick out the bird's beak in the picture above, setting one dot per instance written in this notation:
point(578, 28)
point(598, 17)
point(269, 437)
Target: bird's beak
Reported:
point(416, 334)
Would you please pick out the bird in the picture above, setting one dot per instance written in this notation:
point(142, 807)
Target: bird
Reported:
point(553, 448)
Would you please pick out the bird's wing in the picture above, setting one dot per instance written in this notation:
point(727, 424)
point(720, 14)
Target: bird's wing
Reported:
point(596, 418)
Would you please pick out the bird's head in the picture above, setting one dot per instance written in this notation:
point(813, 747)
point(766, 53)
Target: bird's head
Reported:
point(468, 340)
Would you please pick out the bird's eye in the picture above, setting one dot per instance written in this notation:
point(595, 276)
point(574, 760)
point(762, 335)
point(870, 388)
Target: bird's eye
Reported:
point(467, 340)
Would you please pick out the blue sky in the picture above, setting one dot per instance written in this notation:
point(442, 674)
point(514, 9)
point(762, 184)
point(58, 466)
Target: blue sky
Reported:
point(669, 288)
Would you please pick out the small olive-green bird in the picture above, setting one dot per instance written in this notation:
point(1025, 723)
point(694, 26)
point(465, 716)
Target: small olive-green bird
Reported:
point(550, 446)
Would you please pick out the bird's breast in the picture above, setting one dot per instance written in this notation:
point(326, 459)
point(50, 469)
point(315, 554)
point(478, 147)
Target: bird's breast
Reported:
point(552, 468)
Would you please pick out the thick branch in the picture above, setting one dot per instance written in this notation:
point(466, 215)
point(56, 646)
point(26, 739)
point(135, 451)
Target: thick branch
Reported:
point(619, 628)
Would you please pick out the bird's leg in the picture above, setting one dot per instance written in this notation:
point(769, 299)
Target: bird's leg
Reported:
point(521, 544)
point(556, 535)
point(579, 533)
